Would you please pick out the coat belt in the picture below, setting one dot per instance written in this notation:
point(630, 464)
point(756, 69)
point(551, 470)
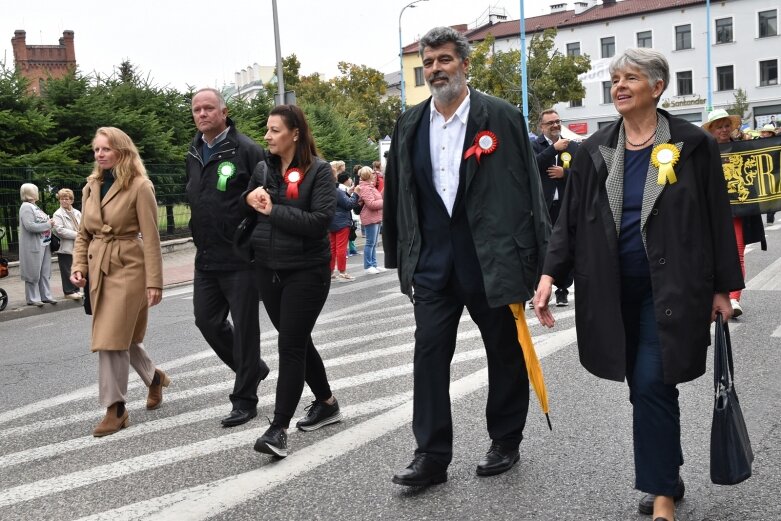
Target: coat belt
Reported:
point(104, 253)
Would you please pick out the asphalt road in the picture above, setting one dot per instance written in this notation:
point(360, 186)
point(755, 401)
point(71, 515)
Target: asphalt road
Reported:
point(178, 463)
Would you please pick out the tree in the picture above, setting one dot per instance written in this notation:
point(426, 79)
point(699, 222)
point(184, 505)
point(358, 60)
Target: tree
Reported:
point(740, 105)
point(552, 76)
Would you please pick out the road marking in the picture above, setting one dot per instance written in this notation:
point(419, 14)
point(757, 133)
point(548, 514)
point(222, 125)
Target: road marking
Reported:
point(777, 332)
point(768, 279)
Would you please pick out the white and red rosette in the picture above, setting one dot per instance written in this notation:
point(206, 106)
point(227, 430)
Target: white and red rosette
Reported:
point(485, 143)
point(293, 178)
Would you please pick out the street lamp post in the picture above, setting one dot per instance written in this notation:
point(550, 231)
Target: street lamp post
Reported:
point(401, 53)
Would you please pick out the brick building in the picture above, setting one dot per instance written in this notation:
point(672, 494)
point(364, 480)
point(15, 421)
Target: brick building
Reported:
point(37, 63)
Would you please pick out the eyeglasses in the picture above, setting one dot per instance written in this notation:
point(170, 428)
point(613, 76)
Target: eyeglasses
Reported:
point(554, 122)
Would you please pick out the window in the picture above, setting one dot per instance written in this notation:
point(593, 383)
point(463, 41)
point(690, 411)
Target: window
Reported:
point(683, 37)
point(573, 49)
point(576, 103)
point(768, 23)
point(724, 30)
point(601, 124)
point(606, 92)
point(419, 78)
point(608, 46)
point(768, 73)
point(725, 78)
point(685, 86)
point(644, 39)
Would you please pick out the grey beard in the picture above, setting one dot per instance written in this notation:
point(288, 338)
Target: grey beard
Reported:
point(449, 92)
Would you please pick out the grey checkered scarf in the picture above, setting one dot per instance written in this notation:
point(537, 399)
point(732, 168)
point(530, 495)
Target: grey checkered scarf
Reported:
point(614, 184)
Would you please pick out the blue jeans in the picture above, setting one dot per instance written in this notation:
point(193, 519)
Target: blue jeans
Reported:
point(656, 417)
point(371, 231)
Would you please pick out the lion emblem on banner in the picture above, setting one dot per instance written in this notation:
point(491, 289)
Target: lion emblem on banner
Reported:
point(739, 174)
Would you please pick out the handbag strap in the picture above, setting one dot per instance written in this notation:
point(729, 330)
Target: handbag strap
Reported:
point(723, 366)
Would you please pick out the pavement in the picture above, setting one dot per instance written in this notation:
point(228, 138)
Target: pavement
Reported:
point(178, 269)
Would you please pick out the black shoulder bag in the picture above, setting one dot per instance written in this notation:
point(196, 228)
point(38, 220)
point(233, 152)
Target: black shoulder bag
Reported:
point(241, 237)
point(730, 449)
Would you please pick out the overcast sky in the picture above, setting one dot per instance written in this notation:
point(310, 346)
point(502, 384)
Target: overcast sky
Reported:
point(202, 43)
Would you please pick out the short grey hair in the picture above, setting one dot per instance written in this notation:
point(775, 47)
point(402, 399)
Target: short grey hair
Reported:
point(28, 193)
point(220, 98)
point(651, 62)
point(439, 36)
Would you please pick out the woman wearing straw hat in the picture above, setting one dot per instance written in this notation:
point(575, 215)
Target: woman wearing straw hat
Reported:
point(748, 229)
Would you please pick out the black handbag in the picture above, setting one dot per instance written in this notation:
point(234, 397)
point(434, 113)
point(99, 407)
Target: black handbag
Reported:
point(730, 448)
point(54, 243)
point(241, 239)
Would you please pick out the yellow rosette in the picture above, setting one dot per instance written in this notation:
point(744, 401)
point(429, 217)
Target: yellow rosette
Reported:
point(566, 157)
point(664, 157)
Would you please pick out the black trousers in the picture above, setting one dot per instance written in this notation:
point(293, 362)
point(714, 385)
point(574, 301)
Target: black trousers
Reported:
point(65, 261)
point(293, 301)
point(215, 294)
point(437, 314)
point(561, 286)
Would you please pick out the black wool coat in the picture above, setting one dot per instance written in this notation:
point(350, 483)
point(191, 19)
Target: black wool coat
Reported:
point(690, 243)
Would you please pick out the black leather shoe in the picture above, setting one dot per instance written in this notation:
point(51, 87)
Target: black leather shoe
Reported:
point(264, 371)
point(498, 459)
point(422, 472)
point(646, 505)
point(239, 417)
point(49, 301)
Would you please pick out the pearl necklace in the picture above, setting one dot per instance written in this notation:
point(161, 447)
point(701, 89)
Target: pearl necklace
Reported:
point(643, 143)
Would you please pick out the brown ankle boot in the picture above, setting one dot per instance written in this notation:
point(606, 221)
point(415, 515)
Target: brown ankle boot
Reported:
point(155, 396)
point(116, 418)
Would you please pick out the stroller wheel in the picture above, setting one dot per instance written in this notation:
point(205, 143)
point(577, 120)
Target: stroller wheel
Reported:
point(3, 299)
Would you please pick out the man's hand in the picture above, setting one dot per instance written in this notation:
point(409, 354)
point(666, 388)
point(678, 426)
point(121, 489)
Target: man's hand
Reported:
point(555, 172)
point(561, 144)
point(721, 304)
point(540, 301)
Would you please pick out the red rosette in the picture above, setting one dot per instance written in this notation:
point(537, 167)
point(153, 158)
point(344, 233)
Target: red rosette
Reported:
point(485, 143)
point(293, 178)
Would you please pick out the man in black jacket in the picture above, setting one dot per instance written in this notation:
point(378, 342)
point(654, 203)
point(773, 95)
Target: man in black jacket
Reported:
point(554, 155)
point(464, 222)
point(219, 165)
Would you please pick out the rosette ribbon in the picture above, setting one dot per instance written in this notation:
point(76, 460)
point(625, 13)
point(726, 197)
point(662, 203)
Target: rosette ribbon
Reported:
point(664, 157)
point(485, 143)
point(293, 178)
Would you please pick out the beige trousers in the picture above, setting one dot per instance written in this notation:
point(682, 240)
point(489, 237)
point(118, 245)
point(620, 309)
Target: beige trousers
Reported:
point(113, 368)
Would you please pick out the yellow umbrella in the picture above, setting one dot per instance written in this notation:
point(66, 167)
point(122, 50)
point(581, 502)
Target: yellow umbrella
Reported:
point(533, 367)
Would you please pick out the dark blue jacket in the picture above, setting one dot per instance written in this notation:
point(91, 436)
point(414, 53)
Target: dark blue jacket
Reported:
point(344, 204)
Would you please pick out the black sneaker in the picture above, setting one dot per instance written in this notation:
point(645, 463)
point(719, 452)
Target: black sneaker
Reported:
point(561, 300)
point(319, 415)
point(273, 441)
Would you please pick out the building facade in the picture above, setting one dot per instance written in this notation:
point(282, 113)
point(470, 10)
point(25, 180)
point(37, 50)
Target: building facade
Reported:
point(38, 63)
point(744, 46)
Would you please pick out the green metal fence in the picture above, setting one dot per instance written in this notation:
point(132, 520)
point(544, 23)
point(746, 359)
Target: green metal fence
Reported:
point(169, 181)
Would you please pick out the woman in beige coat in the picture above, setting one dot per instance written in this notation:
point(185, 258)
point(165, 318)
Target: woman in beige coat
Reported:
point(118, 247)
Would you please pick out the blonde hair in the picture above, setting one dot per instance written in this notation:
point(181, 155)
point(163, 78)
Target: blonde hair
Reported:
point(129, 164)
point(28, 193)
point(366, 173)
point(64, 192)
point(337, 166)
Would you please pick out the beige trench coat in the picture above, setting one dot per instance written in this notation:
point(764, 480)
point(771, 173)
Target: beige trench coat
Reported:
point(118, 247)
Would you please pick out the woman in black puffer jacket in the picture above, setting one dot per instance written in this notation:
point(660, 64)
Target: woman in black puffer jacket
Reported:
point(292, 193)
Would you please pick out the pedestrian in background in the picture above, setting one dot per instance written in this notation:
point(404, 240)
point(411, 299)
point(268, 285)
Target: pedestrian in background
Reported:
point(35, 234)
point(748, 229)
point(341, 223)
point(379, 177)
point(293, 197)
point(66, 226)
point(371, 218)
point(219, 166)
point(646, 225)
point(118, 247)
point(465, 224)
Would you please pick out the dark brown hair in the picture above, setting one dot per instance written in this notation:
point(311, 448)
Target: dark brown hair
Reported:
point(294, 118)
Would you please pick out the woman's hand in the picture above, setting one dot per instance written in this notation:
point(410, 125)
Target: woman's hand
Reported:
point(721, 304)
point(540, 301)
point(153, 296)
point(260, 200)
point(357, 189)
point(78, 279)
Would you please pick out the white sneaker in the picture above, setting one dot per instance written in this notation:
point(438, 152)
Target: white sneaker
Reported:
point(371, 271)
point(74, 296)
point(736, 309)
point(334, 274)
point(381, 269)
point(344, 277)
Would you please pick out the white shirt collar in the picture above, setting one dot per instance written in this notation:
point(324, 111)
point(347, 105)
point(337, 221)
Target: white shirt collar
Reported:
point(462, 112)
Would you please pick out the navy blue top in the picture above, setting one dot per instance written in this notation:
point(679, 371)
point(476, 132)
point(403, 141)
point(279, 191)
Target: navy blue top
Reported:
point(631, 252)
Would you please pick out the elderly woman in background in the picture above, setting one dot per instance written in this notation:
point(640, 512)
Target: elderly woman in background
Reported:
point(371, 218)
point(748, 229)
point(118, 246)
point(66, 227)
point(646, 226)
point(35, 259)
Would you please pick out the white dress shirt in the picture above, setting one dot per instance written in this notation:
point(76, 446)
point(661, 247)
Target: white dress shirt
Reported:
point(555, 163)
point(446, 141)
